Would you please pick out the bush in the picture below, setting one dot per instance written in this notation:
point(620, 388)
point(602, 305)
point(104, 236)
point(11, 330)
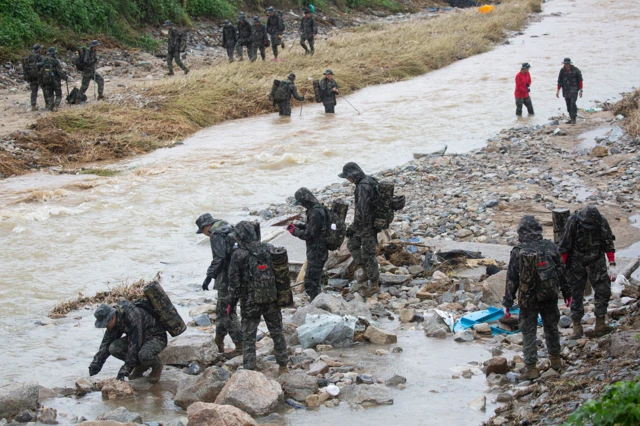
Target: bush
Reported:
point(618, 405)
point(211, 8)
point(19, 24)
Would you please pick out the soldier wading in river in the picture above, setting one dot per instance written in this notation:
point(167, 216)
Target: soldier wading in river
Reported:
point(283, 95)
point(570, 81)
point(308, 31)
point(229, 38)
point(139, 349)
point(223, 244)
point(328, 92)
point(175, 46)
point(253, 283)
point(586, 245)
point(275, 28)
point(314, 234)
point(537, 285)
point(523, 82)
point(363, 238)
point(30, 66)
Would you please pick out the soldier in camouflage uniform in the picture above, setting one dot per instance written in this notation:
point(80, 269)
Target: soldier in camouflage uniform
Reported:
point(570, 81)
point(260, 39)
point(537, 293)
point(291, 90)
point(275, 28)
point(363, 238)
point(53, 91)
point(240, 289)
point(587, 239)
point(173, 48)
point(222, 238)
point(308, 31)
point(31, 75)
point(229, 38)
point(145, 339)
point(329, 90)
point(314, 234)
point(245, 37)
point(89, 73)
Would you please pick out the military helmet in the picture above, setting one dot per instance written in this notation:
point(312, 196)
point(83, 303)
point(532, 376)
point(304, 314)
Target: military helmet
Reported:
point(241, 15)
point(270, 9)
point(103, 315)
point(256, 19)
point(291, 76)
point(51, 51)
point(94, 43)
point(327, 72)
point(226, 22)
point(36, 47)
point(167, 23)
point(204, 220)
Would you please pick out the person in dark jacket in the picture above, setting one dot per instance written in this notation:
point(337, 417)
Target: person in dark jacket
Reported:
point(523, 82)
point(537, 293)
point(363, 238)
point(291, 91)
point(570, 81)
point(245, 37)
point(585, 246)
point(229, 38)
point(53, 90)
point(308, 31)
point(328, 92)
point(223, 243)
point(260, 39)
point(275, 28)
point(314, 234)
point(240, 289)
point(30, 70)
point(174, 47)
point(139, 349)
point(89, 73)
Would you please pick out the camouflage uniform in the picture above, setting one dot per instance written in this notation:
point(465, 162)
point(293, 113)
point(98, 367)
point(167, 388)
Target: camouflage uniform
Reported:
point(173, 51)
point(53, 91)
point(275, 28)
point(145, 339)
point(36, 58)
point(308, 30)
point(328, 95)
point(363, 238)
point(239, 290)
point(222, 246)
point(571, 83)
point(245, 38)
point(314, 234)
point(229, 39)
point(541, 297)
point(90, 73)
point(260, 40)
point(292, 90)
point(587, 237)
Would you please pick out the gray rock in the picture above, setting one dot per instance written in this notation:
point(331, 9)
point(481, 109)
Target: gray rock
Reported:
point(298, 386)
point(25, 417)
point(364, 379)
point(251, 392)
point(463, 233)
point(438, 333)
point(464, 336)
point(415, 270)
point(621, 344)
point(565, 322)
point(448, 297)
point(366, 395)
point(191, 347)
point(18, 397)
point(338, 283)
point(194, 369)
point(491, 203)
point(48, 416)
point(338, 306)
point(396, 380)
point(505, 397)
point(204, 388)
point(300, 316)
point(121, 415)
point(202, 320)
point(493, 288)
point(393, 279)
point(479, 403)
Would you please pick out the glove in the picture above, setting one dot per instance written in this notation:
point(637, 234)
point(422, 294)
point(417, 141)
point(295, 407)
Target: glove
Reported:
point(205, 284)
point(303, 99)
point(611, 256)
point(93, 369)
point(228, 310)
point(565, 257)
point(291, 228)
point(507, 314)
point(350, 232)
point(122, 374)
point(567, 301)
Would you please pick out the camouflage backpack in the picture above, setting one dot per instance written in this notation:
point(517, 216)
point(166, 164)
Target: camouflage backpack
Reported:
point(281, 93)
point(82, 61)
point(30, 67)
point(45, 73)
point(539, 278)
point(262, 278)
point(335, 229)
point(386, 205)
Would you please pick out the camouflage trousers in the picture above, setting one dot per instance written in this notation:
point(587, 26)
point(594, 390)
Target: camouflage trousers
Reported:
point(176, 56)
point(249, 332)
point(572, 106)
point(314, 273)
point(529, 326)
point(259, 48)
point(363, 248)
point(231, 47)
point(52, 96)
point(303, 39)
point(147, 356)
point(34, 92)
point(250, 50)
point(284, 108)
point(89, 75)
point(227, 324)
point(578, 271)
point(275, 42)
point(526, 102)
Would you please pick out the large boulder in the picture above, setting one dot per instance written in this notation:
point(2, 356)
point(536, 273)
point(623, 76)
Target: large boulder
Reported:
point(203, 388)
point(203, 414)
point(298, 386)
point(338, 306)
point(624, 344)
point(251, 391)
point(493, 288)
point(366, 394)
point(301, 314)
point(18, 397)
point(379, 336)
point(187, 348)
point(121, 415)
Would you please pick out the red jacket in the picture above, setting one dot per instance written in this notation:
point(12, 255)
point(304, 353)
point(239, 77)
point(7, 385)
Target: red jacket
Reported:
point(522, 81)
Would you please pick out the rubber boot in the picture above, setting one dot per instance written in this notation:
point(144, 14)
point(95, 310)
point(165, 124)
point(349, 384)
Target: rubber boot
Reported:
point(137, 372)
point(170, 73)
point(573, 121)
point(283, 370)
point(601, 328)
point(556, 362)
point(186, 71)
point(34, 108)
point(219, 343)
point(236, 352)
point(364, 277)
point(373, 289)
point(578, 332)
point(530, 373)
point(156, 371)
point(100, 97)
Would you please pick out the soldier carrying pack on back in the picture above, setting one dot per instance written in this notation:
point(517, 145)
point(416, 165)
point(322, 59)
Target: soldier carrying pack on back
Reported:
point(260, 39)
point(245, 37)
point(229, 38)
point(30, 73)
point(308, 31)
point(51, 75)
point(87, 63)
point(275, 28)
point(283, 92)
point(176, 44)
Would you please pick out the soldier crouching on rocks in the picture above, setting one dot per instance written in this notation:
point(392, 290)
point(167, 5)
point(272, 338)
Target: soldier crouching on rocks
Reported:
point(535, 271)
point(139, 349)
point(587, 239)
point(252, 282)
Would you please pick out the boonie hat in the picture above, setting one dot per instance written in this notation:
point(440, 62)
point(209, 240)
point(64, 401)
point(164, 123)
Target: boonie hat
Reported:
point(204, 220)
point(567, 61)
point(103, 315)
point(94, 43)
point(526, 65)
point(327, 72)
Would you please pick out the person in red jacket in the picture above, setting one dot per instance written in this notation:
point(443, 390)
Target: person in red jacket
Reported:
point(523, 81)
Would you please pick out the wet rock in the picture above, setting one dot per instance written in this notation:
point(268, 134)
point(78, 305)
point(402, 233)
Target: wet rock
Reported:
point(83, 387)
point(407, 315)
point(18, 397)
point(204, 414)
point(381, 352)
point(415, 270)
point(121, 415)
point(565, 322)
point(464, 233)
point(184, 349)
point(464, 336)
point(366, 395)
point(338, 306)
point(497, 365)
point(379, 336)
point(397, 350)
point(202, 320)
point(25, 417)
point(204, 388)
point(394, 280)
point(323, 348)
point(202, 309)
point(298, 386)
point(116, 389)
point(505, 397)
point(549, 374)
point(46, 393)
point(252, 392)
point(482, 328)
point(493, 288)
point(479, 403)
point(622, 344)
point(396, 380)
point(338, 283)
point(48, 416)
point(326, 329)
point(318, 367)
point(516, 339)
point(491, 203)
point(364, 379)
point(194, 369)
point(438, 333)
point(600, 151)
point(314, 401)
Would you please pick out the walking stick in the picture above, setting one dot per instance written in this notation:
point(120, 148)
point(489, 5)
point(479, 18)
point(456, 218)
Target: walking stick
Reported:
point(94, 83)
point(301, 104)
point(345, 99)
point(67, 81)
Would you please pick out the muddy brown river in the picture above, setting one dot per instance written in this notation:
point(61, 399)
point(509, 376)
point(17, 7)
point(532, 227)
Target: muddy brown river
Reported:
point(61, 234)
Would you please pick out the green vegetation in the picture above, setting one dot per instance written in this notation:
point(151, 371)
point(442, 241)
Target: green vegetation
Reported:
point(618, 405)
point(100, 172)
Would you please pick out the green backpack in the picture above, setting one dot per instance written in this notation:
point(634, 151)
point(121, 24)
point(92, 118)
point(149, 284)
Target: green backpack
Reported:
point(262, 278)
point(386, 205)
point(541, 279)
point(45, 73)
point(281, 92)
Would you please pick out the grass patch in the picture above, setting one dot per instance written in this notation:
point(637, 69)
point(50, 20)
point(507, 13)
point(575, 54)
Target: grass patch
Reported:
point(182, 106)
point(100, 172)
